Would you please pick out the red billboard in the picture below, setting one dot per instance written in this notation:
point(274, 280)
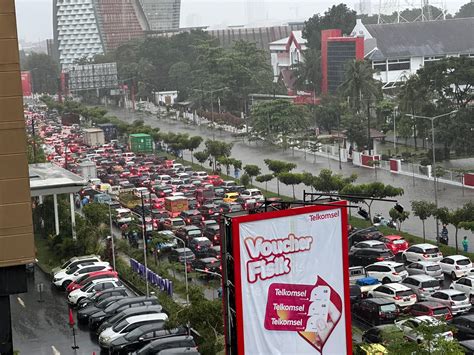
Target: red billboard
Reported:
point(26, 83)
point(291, 281)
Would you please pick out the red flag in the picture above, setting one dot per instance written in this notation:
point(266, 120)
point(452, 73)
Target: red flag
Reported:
point(71, 318)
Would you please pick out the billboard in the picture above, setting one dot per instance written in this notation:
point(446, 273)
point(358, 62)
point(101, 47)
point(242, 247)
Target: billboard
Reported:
point(291, 282)
point(26, 83)
point(92, 76)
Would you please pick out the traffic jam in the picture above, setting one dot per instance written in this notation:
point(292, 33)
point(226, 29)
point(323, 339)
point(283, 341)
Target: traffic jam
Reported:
point(393, 284)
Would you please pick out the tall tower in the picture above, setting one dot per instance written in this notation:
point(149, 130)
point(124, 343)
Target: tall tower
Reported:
point(388, 7)
point(162, 15)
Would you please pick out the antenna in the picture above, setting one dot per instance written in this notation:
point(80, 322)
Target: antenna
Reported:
point(391, 11)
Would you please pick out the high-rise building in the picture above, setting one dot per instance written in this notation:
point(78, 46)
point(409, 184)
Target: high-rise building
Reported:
point(85, 28)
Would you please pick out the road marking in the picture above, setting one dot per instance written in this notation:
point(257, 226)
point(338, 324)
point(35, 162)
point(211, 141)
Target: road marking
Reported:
point(21, 302)
point(55, 351)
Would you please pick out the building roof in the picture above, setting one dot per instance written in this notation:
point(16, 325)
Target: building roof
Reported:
point(418, 39)
point(47, 179)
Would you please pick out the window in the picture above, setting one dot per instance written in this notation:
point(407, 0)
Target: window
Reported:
point(459, 297)
point(448, 261)
point(463, 262)
point(399, 64)
point(440, 295)
point(380, 65)
point(430, 284)
point(433, 268)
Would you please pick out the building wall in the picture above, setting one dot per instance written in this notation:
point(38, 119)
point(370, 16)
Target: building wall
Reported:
point(162, 15)
point(16, 227)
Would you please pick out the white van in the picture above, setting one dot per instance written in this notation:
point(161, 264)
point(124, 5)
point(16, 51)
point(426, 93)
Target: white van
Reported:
point(127, 325)
point(138, 191)
point(128, 156)
point(75, 261)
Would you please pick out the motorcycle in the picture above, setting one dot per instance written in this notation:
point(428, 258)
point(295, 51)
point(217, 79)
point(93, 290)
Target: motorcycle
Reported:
point(380, 220)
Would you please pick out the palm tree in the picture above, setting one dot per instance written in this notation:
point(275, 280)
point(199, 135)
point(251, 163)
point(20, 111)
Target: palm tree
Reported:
point(308, 72)
point(410, 96)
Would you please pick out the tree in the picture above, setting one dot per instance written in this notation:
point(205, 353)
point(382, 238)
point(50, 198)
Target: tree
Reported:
point(467, 10)
point(96, 213)
point(355, 128)
point(218, 149)
point(328, 182)
point(265, 179)
point(278, 167)
point(308, 72)
point(398, 217)
point(44, 73)
point(423, 210)
point(457, 218)
point(245, 179)
point(252, 171)
point(373, 190)
point(201, 156)
point(290, 179)
point(193, 143)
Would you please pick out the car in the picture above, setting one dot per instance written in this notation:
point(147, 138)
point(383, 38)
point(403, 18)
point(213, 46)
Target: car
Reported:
point(64, 279)
point(230, 196)
point(173, 223)
point(81, 281)
point(207, 264)
point(429, 268)
point(422, 285)
point(215, 180)
point(200, 175)
point(409, 328)
point(207, 223)
point(123, 216)
point(101, 295)
point(128, 312)
point(167, 241)
point(143, 335)
point(433, 309)
point(464, 326)
point(182, 344)
point(83, 314)
point(254, 194)
point(454, 299)
point(90, 288)
point(74, 261)
point(364, 257)
point(212, 232)
point(371, 233)
point(465, 285)
point(229, 207)
point(368, 244)
point(188, 233)
point(375, 311)
point(395, 243)
point(203, 195)
point(127, 325)
point(387, 271)
point(214, 251)
point(200, 246)
point(379, 333)
point(162, 191)
point(191, 217)
point(400, 294)
point(467, 346)
point(422, 252)
point(456, 265)
point(181, 255)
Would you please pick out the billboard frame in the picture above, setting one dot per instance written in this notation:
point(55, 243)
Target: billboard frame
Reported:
point(232, 226)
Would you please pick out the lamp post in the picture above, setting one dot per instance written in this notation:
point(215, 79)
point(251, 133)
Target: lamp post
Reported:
point(185, 268)
point(433, 169)
point(212, 273)
point(212, 103)
point(144, 245)
point(112, 236)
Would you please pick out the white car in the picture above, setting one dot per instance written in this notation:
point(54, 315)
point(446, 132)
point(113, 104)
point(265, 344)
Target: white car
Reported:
point(124, 215)
point(253, 193)
point(422, 252)
point(456, 266)
point(398, 293)
point(63, 279)
point(92, 287)
point(372, 244)
point(387, 271)
point(426, 268)
point(422, 285)
point(465, 285)
point(201, 175)
point(454, 299)
point(409, 328)
point(74, 261)
point(128, 324)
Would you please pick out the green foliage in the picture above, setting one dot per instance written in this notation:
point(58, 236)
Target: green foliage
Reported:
point(467, 10)
point(265, 179)
point(328, 113)
point(290, 179)
point(218, 149)
point(201, 157)
point(245, 179)
point(308, 73)
point(462, 217)
point(278, 167)
point(96, 213)
point(423, 210)
point(398, 217)
point(328, 182)
point(44, 72)
point(252, 171)
point(356, 128)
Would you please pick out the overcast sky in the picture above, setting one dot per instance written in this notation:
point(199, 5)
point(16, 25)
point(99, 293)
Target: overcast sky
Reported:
point(35, 16)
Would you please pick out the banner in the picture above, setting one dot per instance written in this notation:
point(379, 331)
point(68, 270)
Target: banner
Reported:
point(292, 282)
point(26, 83)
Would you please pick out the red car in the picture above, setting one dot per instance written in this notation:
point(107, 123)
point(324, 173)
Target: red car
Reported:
point(81, 281)
point(395, 243)
point(433, 309)
point(215, 180)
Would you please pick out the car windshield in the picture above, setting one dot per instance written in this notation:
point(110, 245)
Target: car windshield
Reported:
point(432, 251)
point(82, 278)
point(178, 222)
point(120, 325)
point(136, 333)
point(386, 254)
point(399, 241)
point(430, 284)
point(433, 268)
point(388, 308)
point(399, 268)
point(194, 232)
point(440, 311)
point(87, 285)
point(459, 297)
point(66, 264)
point(463, 262)
point(378, 246)
point(405, 293)
point(72, 270)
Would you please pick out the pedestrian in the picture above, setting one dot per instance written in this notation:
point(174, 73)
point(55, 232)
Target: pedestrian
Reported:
point(236, 173)
point(465, 244)
point(210, 163)
point(444, 235)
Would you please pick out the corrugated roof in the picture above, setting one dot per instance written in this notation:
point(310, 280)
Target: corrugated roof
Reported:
point(424, 38)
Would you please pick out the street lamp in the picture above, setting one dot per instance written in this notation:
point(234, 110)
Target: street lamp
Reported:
point(185, 268)
point(212, 103)
point(435, 180)
point(112, 235)
point(144, 245)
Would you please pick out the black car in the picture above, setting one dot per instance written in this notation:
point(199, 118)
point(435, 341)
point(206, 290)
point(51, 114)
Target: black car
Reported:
point(207, 264)
point(175, 342)
point(130, 302)
point(101, 295)
point(191, 217)
point(135, 311)
point(378, 334)
point(142, 336)
point(200, 246)
point(181, 254)
point(355, 293)
point(85, 313)
point(208, 210)
point(228, 207)
point(212, 233)
point(188, 233)
point(214, 251)
point(162, 191)
point(364, 257)
point(464, 327)
point(371, 233)
point(375, 311)
point(467, 346)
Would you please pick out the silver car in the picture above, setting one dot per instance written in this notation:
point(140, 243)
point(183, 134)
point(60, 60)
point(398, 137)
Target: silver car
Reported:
point(429, 268)
point(454, 299)
point(422, 285)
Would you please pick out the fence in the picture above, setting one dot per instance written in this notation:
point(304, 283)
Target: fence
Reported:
point(163, 284)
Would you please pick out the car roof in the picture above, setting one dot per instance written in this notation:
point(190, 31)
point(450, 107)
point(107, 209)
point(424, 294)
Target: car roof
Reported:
point(150, 316)
point(429, 319)
point(396, 286)
point(393, 236)
point(209, 260)
point(422, 277)
point(426, 263)
point(388, 263)
point(424, 245)
point(379, 300)
point(432, 304)
point(371, 242)
point(469, 316)
point(122, 210)
point(202, 239)
point(451, 292)
point(457, 257)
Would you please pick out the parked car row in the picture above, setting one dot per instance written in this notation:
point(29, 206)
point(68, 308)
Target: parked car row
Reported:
point(124, 323)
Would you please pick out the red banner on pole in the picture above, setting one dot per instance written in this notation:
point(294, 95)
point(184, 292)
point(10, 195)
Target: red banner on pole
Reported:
point(71, 318)
point(26, 83)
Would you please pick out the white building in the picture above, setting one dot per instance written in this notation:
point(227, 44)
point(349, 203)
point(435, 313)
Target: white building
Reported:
point(287, 52)
point(398, 50)
point(76, 31)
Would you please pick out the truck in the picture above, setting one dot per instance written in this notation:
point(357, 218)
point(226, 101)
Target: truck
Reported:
point(176, 204)
point(68, 119)
point(94, 137)
point(141, 143)
point(110, 131)
point(88, 170)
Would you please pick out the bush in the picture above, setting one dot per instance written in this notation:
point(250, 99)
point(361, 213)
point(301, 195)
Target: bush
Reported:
point(245, 180)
